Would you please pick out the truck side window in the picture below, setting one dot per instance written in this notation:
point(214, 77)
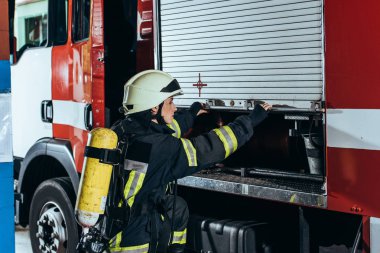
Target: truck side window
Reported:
point(59, 22)
point(81, 20)
point(30, 24)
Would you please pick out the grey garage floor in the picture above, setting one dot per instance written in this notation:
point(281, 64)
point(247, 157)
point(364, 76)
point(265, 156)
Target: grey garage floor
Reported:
point(22, 240)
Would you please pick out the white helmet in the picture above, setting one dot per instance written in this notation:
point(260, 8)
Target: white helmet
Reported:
point(148, 89)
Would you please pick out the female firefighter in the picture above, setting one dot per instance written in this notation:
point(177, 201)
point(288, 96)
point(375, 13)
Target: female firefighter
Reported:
point(157, 155)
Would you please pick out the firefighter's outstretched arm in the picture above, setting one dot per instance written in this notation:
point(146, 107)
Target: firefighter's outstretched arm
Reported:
point(205, 150)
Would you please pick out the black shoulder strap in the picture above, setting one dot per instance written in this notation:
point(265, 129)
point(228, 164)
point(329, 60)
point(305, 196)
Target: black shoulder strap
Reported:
point(119, 127)
point(108, 156)
point(118, 216)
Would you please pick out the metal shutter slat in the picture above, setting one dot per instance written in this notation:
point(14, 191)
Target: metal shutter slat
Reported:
point(260, 61)
point(243, 17)
point(255, 8)
point(172, 41)
point(230, 44)
point(249, 78)
point(264, 55)
point(259, 84)
point(248, 49)
point(280, 23)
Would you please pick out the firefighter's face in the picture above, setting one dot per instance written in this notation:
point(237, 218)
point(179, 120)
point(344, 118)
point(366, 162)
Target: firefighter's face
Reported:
point(168, 110)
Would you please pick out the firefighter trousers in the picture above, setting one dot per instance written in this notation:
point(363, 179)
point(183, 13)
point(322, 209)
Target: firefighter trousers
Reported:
point(137, 237)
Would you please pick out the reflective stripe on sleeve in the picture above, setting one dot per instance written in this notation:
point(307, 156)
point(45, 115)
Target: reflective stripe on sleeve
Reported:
point(179, 237)
point(139, 178)
point(228, 138)
point(175, 127)
point(191, 153)
point(133, 186)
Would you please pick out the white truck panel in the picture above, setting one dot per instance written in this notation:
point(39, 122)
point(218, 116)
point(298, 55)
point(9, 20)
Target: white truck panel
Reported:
point(6, 154)
point(353, 128)
point(374, 234)
point(69, 113)
point(27, 95)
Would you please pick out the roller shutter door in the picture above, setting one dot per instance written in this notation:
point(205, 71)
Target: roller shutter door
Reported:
point(245, 49)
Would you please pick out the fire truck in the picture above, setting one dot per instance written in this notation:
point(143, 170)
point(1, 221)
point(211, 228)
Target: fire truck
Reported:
point(311, 172)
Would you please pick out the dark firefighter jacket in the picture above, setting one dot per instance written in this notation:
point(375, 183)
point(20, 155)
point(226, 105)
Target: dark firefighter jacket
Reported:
point(155, 157)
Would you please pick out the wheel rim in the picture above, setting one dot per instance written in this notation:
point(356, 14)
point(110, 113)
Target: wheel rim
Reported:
point(52, 229)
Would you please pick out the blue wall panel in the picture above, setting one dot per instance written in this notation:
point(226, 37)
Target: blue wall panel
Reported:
point(7, 226)
point(6, 185)
point(5, 76)
point(7, 234)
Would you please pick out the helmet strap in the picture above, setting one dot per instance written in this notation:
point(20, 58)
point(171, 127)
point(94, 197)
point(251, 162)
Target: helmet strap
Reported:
point(158, 116)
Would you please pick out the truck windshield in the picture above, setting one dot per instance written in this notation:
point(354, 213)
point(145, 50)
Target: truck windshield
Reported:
point(31, 24)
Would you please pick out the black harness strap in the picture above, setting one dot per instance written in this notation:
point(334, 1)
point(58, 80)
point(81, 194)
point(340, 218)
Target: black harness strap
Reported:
point(117, 216)
point(148, 207)
point(173, 212)
point(153, 232)
point(108, 156)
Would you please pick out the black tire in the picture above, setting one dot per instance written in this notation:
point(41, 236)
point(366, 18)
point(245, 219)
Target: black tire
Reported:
point(53, 202)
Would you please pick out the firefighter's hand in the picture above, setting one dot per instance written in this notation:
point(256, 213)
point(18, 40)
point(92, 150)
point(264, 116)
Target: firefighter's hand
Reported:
point(259, 113)
point(266, 106)
point(197, 109)
point(202, 111)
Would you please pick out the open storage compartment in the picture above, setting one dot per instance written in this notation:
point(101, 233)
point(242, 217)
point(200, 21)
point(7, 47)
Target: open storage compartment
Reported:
point(283, 161)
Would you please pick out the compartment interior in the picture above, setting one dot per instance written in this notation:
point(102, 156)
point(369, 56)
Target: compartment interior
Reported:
point(120, 21)
point(285, 152)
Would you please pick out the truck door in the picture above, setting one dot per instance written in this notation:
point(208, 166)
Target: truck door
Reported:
point(38, 27)
point(78, 77)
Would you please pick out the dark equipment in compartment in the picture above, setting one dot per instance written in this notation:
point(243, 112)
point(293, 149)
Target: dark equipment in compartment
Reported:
point(227, 236)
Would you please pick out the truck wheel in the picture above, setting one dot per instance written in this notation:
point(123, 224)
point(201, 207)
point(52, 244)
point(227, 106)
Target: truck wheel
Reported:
point(51, 218)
